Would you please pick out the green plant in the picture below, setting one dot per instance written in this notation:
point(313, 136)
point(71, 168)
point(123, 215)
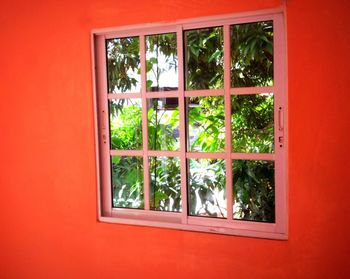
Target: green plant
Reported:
point(251, 120)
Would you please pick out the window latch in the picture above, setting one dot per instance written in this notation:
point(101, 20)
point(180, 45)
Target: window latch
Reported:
point(280, 126)
point(280, 119)
point(104, 136)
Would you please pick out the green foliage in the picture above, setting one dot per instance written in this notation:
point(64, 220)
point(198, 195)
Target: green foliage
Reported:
point(126, 124)
point(163, 125)
point(207, 185)
point(165, 184)
point(254, 190)
point(252, 123)
point(163, 129)
point(204, 58)
point(252, 54)
point(127, 181)
point(159, 45)
point(251, 120)
point(206, 124)
point(164, 43)
point(123, 55)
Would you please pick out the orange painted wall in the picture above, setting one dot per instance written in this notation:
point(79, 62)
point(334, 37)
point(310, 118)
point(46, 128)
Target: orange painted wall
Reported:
point(47, 176)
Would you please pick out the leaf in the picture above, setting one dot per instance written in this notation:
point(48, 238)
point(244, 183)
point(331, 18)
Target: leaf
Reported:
point(149, 83)
point(215, 55)
point(153, 60)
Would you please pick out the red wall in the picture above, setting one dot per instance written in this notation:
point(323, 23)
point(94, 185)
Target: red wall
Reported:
point(47, 176)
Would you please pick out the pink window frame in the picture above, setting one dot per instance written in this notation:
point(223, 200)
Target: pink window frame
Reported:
point(182, 221)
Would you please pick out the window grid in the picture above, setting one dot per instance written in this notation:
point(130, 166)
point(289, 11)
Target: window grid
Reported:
point(169, 219)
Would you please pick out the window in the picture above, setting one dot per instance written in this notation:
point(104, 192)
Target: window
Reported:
point(190, 125)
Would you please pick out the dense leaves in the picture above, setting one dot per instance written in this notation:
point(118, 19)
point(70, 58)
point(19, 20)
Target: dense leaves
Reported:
point(252, 54)
point(165, 184)
point(254, 193)
point(204, 58)
point(163, 124)
point(123, 64)
point(125, 124)
point(127, 181)
point(251, 122)
point(207, 185)
point(206, 124)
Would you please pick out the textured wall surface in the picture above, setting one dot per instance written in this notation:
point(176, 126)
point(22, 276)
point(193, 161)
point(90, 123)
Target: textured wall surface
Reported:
point(47, 175)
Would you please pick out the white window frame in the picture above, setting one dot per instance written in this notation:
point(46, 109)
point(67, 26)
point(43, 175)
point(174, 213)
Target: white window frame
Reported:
point(182, 220)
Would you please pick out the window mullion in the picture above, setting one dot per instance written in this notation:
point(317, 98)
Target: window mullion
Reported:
point(280, 115)
point(146, 178)
point(228, 140)
point(182, 108)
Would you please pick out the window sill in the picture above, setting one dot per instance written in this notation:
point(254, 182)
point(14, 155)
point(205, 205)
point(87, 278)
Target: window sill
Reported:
point(176, 221)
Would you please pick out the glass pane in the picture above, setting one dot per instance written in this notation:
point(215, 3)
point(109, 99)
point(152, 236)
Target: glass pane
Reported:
point(161, 62)
point(252, 123)
point(123, 65)
point(125, 118)
point(204, 58)
point(206, 124)
point(252, 54)
point(165, 184)
point(207, 192)
point(163, 124)
point(254, 190)
point(127, 181)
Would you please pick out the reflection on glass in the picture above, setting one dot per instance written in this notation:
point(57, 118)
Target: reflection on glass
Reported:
point(207, 188)
point(165, 194)
point(127, 181)
point(161, 62)
point(254, 190)
point(204, 58)
point(163, 124)
point(252, 123)
point(125, 118)
point(123, 65)
point(252, 54)
point(206, 124)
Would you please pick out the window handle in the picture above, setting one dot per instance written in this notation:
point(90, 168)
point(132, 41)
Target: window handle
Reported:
point(280, 119)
